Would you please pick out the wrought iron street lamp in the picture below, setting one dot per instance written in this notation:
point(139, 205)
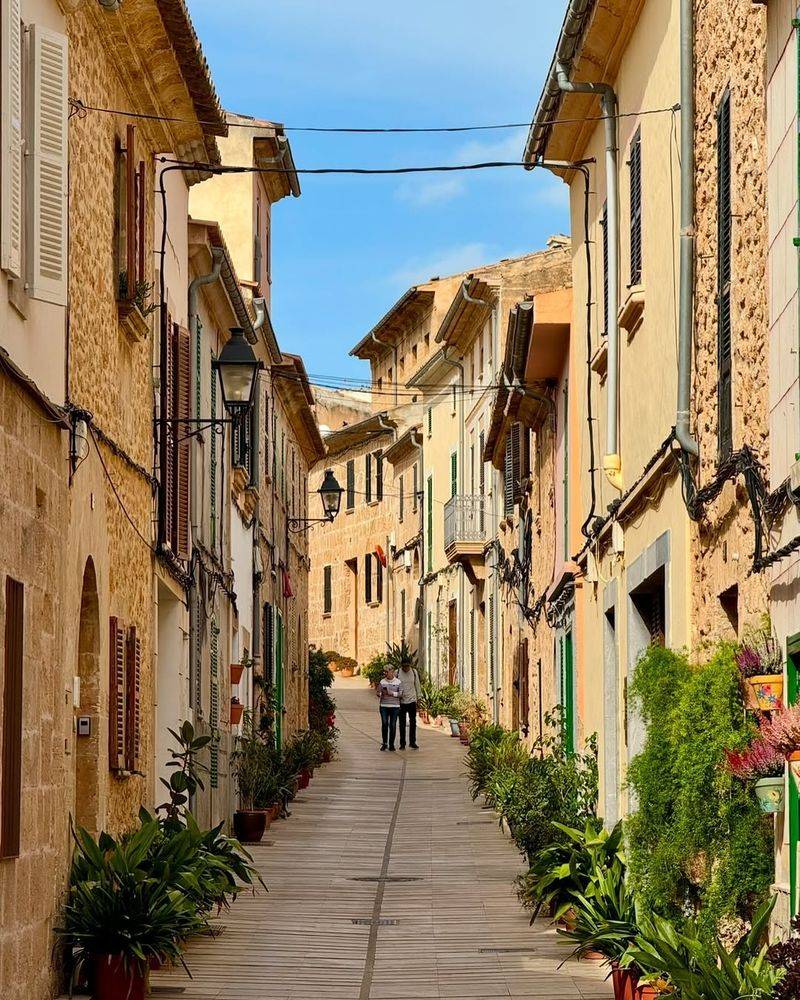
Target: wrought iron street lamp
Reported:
point(237, 366)
point(330, 493)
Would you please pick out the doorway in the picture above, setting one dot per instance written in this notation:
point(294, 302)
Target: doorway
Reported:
point(452, 642)
point(87, 751)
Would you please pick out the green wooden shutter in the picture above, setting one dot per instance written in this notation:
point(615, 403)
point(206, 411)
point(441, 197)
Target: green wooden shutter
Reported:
point(327, 601)
point(213, 462)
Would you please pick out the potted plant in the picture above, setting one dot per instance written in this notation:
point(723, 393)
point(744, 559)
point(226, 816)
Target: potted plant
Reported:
point(347, 666)
point(782, 731)
point(119, 918)
point(764, 764)
point(332, 658)
point(237, 708)
point(250, 763)
point(373, 671)
point(761, 667)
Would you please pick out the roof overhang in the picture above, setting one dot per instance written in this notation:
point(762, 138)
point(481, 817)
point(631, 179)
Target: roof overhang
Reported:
point(593, 39)
point(272, 151)
point(204, 237)
point(360, 433)
point(404, 315)
point(405, 446)
point(291, 382)
point(434, 373)
point(468, 311)
point(548, 336)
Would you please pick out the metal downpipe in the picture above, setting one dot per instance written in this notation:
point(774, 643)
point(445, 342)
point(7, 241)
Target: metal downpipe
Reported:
point(686, 299)
point(612, 461)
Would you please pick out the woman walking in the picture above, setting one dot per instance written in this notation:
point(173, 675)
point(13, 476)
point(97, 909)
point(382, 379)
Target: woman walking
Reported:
point(388, 692)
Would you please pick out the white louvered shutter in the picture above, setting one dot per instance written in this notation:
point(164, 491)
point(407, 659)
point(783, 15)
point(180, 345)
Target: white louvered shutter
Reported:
point(11, 137)
point(47, 167)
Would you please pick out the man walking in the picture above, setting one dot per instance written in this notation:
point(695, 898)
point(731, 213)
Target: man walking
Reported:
point(410, 693)
point(388, 691)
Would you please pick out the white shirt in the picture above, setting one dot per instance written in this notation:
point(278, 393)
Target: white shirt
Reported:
point(410, 690)
point(390, 693)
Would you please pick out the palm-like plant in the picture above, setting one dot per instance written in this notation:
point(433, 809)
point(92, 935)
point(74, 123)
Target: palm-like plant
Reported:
point(401, 656)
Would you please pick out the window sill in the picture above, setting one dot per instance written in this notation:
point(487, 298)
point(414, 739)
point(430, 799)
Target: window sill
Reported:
point(373, 503)
point(326, 615)
point(374, 604)
point(133, 323)
point(349, 510)
point(632, 311)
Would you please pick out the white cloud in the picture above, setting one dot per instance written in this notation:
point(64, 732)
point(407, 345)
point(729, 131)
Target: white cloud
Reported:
point(423, 194)
point(449, 261)
point(508, 149)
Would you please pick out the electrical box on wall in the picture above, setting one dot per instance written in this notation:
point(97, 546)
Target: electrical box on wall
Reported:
point(84, 725)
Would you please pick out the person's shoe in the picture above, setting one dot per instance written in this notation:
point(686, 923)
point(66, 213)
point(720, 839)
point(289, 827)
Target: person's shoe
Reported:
point(413, 746)
point(402, 746)
point(391, 750)
point(384, 747)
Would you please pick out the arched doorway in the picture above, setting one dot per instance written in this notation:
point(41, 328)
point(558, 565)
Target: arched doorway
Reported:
point(87, 751)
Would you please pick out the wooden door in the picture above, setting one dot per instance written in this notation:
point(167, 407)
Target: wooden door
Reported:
point(452, 637)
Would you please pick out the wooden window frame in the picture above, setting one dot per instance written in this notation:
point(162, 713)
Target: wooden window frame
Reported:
point(13, 703)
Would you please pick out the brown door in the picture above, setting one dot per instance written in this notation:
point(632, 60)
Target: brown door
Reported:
point(352, 565)
point(452, 635)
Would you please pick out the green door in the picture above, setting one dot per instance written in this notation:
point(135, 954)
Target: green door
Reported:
point(792, 670)
point(567, 691)
point(279, 682)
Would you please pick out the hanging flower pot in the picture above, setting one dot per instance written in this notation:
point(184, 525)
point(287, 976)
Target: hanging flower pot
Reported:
point(237, 669)
point(767, 691)
point(237, 710)
point(794, 767)
point(769, 792)
point(115, 979)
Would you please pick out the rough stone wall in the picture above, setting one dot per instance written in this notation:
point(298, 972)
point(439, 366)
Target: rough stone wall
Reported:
point(351, 536)
point(730, 54)
point(34, 507)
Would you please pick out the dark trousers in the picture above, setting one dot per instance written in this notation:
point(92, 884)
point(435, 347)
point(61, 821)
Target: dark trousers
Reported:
point(410, 712)
point(389, 716)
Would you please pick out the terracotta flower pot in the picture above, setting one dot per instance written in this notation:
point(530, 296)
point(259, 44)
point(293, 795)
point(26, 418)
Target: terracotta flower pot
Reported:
point(237, 710)
point(347, 671)
point(622, 981)
point(645, 992)
point(327, 757)
point(423, 716)
point(303, 780)
point(794, 767)
point(114, 981)
point(593, 956)
point(237, 669)
point(769, 792)
point(767, 690)
point(463, 733)
point(249, 825)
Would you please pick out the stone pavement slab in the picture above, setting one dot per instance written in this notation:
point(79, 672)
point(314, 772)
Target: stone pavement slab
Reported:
point(387, 883)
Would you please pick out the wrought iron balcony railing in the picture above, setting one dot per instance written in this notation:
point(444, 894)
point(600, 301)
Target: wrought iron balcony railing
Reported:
point(464, 525)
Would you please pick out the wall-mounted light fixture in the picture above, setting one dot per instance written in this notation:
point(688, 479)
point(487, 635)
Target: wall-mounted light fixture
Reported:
point(78, 439)
point(330, 493)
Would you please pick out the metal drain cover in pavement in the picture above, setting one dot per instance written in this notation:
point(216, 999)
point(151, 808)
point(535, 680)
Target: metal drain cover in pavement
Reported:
point(385, 878)
point(369, 922)
point(476, 822)
point(508, 951)
point(168, 991)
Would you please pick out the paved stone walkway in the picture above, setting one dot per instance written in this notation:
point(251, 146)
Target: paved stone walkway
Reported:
point(387, 883)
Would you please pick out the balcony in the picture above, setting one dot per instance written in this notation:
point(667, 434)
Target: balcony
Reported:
point(465, 531)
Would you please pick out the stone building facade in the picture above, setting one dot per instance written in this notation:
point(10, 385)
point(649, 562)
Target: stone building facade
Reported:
point(731, 314)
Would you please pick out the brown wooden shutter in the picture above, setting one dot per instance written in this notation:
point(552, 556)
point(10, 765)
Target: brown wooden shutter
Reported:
point(130, 211)
point(133, 700)
point(116, 696)
point(183, 449)
point(524, 688)
point(11, 777)
point(140, 221)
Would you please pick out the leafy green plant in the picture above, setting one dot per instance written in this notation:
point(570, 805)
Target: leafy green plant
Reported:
point(699, 970)
point(401, 656)
point(479, 758)
point(373, 671)
point(185, 778)
point(251, 763)
point(605, 917)
point(699, 845)
point(565, 869)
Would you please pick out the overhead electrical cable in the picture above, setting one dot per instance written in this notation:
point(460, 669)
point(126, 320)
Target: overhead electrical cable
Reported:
point(81, 110)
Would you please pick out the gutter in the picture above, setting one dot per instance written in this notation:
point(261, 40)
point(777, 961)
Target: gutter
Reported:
point(686, 296)
point(612, 461)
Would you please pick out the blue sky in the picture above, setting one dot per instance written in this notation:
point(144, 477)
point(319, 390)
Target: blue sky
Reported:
point(350, 246)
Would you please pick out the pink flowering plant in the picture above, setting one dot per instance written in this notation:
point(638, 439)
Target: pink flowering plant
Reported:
point(782, 729)
point(759, 654)
point(759, 760)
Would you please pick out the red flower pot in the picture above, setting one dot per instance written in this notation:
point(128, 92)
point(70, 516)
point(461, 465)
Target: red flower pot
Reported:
point(113, 980)
point(249, 825)
point(237, 669)
point(303, 780)
point(327, 757)
point(645, 992)
point(237, 710)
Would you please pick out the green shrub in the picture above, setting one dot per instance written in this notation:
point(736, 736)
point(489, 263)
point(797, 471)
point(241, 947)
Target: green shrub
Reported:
point(479, 757)
point(698, 843)
point(373, 671)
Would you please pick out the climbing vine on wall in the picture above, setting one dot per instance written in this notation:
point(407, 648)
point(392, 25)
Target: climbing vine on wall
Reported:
point(699, 846)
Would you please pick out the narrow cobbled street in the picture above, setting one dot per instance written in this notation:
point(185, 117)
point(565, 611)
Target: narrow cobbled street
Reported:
point(387, 882)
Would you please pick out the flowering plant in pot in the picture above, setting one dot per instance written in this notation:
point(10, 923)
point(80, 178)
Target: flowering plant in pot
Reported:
point(764, 764)
point(782, 731)
point(348, 666)
point(760, 664)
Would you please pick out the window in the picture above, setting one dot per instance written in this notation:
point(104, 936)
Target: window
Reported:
point(512, 469)
point(414, 353)
point(124, 704)
point(402, 615)
point(351, 484)
point(242, 441)
point(453, 473)
point(427, 342)
point(368, 477)
point(266, 435)
point(389, 376)
point(212, 499)
point(11, 763)
point(416, 488)
point(635, 168)
point(257, 255)
point(724, 333)
point(430, 420)
point(481, 476)
point(129, 218)
point(33, 157)
point(454, 399)
point(380, 384)
point(327, 592)
point(604, 227)
point(402, 499)
point(373, 579)
point(175, 443)
point(379, 475)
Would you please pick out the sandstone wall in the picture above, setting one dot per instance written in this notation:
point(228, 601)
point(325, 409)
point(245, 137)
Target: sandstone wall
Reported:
point(730, 54)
